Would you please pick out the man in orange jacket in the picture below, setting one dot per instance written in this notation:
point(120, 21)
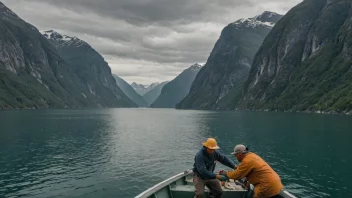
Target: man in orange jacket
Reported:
point(266, 181)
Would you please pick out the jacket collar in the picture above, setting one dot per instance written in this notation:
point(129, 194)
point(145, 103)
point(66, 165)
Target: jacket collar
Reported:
point(204, 150)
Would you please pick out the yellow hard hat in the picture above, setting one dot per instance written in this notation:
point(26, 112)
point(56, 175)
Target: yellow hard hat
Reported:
point(211, 144)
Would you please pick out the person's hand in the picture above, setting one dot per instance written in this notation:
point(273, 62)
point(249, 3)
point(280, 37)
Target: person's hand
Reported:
point(223, 173)
point(221, 177)
point(235, 167)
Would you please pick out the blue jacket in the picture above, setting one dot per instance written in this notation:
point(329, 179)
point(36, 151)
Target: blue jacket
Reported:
point(204, 163)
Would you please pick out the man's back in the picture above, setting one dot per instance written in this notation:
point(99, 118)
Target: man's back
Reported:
point(260, 174)
point(261, 171)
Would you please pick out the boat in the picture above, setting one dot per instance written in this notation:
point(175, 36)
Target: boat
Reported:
point(181, 186)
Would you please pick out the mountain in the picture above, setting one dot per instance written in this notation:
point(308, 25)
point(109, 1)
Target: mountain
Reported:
point(130, 92)
point(220, 82)
point(174, 91)
point(153, 94)
point(34, 75)
point(90, 67)
point(305, 62)
point(143, 89)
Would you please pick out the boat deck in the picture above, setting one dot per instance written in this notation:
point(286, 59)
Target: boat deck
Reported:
point(187, 190)
point(181, 186)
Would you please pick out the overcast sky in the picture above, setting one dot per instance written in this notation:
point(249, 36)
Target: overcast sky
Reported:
point(145, 40)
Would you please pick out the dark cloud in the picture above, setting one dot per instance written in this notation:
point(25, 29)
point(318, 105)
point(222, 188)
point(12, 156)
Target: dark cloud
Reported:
point(153, 11)
point(144, 40)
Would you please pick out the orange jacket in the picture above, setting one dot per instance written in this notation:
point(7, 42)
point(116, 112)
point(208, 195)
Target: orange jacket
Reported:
point(266, 181)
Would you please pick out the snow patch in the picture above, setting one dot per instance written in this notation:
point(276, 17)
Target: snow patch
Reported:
point(268, 24)
point(67, 38)
point(195, 67)
point(253, 23)
point(62, 39)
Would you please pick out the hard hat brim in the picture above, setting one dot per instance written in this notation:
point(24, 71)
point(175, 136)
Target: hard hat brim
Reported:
point(209, 147)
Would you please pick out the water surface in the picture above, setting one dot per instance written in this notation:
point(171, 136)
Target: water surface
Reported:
point(122, 152)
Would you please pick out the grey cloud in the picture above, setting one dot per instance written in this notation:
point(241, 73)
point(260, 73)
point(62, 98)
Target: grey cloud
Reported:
point(144, 39)
point(153, 11)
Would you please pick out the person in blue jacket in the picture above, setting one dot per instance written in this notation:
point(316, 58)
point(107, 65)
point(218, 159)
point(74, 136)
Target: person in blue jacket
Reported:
point(203, 169)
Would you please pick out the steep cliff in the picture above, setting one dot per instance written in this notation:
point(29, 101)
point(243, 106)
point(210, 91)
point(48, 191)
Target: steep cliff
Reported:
point(305, 62)
point(34, 75)
point(90, 67)
point(219, 84)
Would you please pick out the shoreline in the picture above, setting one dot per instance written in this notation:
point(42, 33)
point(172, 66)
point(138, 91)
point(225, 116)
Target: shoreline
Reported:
point(307, 112)
point(247, 110)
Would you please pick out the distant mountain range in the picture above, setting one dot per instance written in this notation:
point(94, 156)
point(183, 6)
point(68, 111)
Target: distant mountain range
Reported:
point(130, 92)
point(174, 91)
point(154, 93)
point(143, 89)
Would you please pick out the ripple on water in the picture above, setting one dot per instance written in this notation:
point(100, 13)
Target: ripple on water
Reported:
point(104, 153)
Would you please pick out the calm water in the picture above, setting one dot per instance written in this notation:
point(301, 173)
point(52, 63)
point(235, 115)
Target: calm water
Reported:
point(121, 152)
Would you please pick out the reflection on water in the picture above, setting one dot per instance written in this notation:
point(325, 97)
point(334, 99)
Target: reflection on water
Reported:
point(121, 152)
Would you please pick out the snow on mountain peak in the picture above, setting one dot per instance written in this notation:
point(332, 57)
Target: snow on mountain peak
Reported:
point(135, 85)
point(62, 39)
point(252, 22)
point(196, 67)
point(266, 19)
point(152, 85)
point(268, 16)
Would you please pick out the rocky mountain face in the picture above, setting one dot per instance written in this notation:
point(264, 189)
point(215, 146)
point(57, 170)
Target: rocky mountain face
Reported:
point(143, 89)
point(305, 62)
point(89, 66)
point(130, 92)
point(154, 93)
point(174, 91)
point(34, 75)
point(220, 83)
